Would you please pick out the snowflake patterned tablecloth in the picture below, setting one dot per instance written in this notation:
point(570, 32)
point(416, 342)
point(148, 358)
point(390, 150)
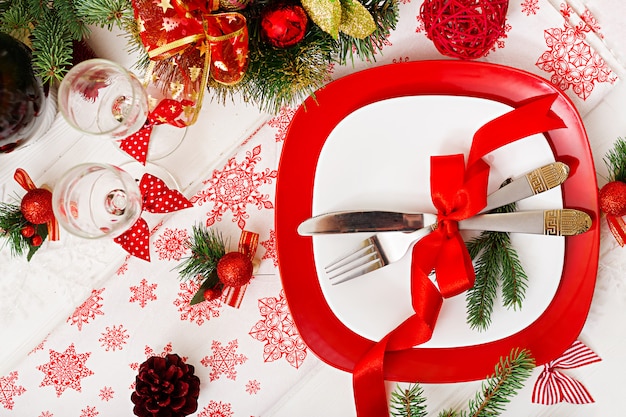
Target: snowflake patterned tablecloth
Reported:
point(249, 357)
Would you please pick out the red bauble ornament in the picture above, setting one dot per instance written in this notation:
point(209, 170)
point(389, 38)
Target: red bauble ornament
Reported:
point(613, 198)
point(234, 269)
point(37, 206)
point(465, 29)
point(284, 25)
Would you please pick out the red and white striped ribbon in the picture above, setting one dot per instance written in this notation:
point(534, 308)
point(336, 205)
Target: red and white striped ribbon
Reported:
point(248, 242)
point(553, 386)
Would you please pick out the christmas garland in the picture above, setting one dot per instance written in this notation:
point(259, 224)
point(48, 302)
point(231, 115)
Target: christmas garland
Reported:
point(291, 47)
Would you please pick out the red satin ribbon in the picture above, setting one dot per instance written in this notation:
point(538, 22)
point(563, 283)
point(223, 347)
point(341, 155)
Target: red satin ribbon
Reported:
point(617, 226)
point(166, 112)
point(24, 180)
point(553, 386)
point(458, 192)
point(157, 197)
point(248, 243)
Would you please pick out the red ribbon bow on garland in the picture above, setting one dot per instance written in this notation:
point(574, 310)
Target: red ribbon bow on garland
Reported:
point(458, 192)
point(187, 44)
point(553, 386)
point(157, 197)
point(167, 111)
point(248, 243)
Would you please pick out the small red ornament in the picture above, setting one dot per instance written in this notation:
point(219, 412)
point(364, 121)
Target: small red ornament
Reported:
point(36, 240)
point(465, 29)
point(36, 206)
point(613, 198)
point(212, 293)
point(234, 269)
point(284, 25)
point(28, 231)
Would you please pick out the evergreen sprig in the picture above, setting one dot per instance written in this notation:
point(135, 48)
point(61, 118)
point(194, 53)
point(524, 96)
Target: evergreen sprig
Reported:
point(496, 392)
point(496, 264)
point(615, 161)
point(409, 402)
point(11, 223)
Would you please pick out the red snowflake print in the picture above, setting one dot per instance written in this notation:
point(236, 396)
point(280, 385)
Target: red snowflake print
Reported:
point(9, 389)
point(106, 394)
point(65, 370)
point(236, 186)
point(199, 312)
point(421, 28)
point(87, 310)
point(46, 414)
point(530, 7)
point(123, 268)
point(223, 360)
point(171, 245)
point(281, 122)
point(571, 60)
point(253, 386)
point(277, 330)
point(89, 412)
point(216, 409)
point(143, 293)
point(270, 248)
point(39, 346)
point(113, 338)
point(149, 352)
point(400, 60)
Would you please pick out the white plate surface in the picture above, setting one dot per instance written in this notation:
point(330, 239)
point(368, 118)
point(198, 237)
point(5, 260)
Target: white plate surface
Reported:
point(379, 158)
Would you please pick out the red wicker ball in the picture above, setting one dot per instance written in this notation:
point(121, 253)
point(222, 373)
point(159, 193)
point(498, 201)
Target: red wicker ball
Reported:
point(465, 29)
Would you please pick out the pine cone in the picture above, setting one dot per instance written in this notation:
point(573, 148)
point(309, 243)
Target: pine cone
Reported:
point(165, 387)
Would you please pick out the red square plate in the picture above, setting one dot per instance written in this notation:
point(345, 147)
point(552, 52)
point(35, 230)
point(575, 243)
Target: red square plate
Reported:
point(332, 340)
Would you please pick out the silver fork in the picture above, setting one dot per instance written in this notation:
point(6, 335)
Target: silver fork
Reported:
point(381, 249)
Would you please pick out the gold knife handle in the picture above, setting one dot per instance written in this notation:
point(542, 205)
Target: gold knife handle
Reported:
point(565, 222)
point(547, 177)
point(559, 222)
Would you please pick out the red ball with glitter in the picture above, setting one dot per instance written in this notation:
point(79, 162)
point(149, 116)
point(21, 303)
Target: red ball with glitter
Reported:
point(465, 29)
point(234, 269)
point(284, 25)
point(613, 198)
point(36, 206)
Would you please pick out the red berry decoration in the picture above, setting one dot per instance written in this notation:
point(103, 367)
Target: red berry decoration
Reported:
point(28, 231)
point(234, 269)
point(284, 25)
point(212, 293)
point(613, 198)
point(465, 29)
point(36, 240)
point(37, 206)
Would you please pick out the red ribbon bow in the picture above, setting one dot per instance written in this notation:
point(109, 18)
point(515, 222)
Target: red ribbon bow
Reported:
point(167, 111)
point(553, 386)
point(458, 192)
point(157, 197)
point(248, 243)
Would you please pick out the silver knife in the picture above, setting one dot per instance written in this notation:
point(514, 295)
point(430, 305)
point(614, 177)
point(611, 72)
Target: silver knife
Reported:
point(556, 222)
point(531, 183)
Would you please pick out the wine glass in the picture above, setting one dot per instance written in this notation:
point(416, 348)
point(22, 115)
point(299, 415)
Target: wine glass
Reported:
point(94, 200)
point(99, 97)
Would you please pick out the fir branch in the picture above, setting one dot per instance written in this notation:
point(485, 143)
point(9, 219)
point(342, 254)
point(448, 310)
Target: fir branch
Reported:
point(15, 20)
point(615, 161)
point(65, 12)
point(11, 223)
point(497, 263)
point(509, 377)
point(385, 14)
point(105, 13)
point(409, 402)
point(207, 247)
point(52, 49)
point(448, 413)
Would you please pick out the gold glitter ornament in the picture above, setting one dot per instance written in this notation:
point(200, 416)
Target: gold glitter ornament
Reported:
point(356, 20)
point(325, 13)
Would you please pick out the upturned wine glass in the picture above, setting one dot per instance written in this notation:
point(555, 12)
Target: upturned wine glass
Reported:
point(95, 200)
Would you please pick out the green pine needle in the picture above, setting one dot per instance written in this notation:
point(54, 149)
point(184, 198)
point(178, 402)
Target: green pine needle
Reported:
point(11, 223)
point(509, 377)
point(496, 264)
point(52, 49)
point(409, 402)
point(615, 161)
point(207, 247)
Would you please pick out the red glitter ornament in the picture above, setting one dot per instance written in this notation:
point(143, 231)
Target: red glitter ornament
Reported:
point(465, 29)
point(212, 293)
point(613, 198)
point(36, 206)
point(284, 25)
point(234, 269)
